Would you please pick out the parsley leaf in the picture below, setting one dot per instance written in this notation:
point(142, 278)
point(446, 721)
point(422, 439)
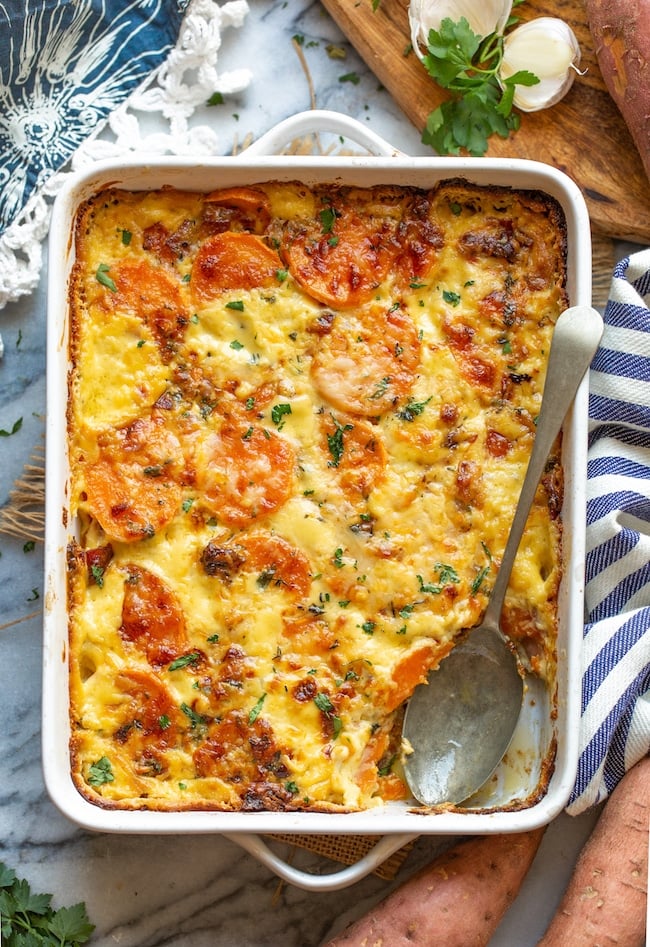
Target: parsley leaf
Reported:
point(327, 219)
point(71, 924)
point(198, 722)
point(185, 660)
point(278, 413)
point(103, 277)
point(14, 430)
point(412, 409)
point(27, 918)
point(101, 772)
point(335, 442)
point(480, 106)
point(256, 710)
point(327, 708)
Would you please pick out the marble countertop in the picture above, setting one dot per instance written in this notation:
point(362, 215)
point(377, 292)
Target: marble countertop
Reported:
point(145, 891)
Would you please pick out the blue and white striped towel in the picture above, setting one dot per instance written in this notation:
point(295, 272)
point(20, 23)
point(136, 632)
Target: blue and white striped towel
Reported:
point(615, 724)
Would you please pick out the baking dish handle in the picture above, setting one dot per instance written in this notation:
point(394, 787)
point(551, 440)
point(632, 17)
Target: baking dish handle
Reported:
point(332, 881)
point(314, 121)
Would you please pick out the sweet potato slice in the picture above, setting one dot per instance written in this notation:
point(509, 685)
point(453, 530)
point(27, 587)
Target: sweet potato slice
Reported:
point(227, 261)
point(152, 617)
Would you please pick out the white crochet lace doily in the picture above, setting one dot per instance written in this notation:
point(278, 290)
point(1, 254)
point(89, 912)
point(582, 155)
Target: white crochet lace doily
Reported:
point(172, 93)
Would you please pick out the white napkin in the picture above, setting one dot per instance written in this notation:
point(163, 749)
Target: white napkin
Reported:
point(615, 724)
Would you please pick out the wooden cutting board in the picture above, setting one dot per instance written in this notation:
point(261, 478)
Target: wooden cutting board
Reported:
point(584, 135)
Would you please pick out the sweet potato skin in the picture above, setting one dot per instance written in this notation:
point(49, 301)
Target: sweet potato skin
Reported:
point(456, 901)
point(621, 33)
point(605, 901)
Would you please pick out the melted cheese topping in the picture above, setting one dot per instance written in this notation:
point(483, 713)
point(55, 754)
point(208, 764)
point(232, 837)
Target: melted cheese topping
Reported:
point(299, 420)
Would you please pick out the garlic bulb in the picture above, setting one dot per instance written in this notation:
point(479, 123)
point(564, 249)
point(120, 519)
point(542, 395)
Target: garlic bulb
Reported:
point(548, 48)
point(484, 17)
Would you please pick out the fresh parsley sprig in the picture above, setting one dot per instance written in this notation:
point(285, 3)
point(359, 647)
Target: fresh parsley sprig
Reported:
point(28, 918)
point(481, 105)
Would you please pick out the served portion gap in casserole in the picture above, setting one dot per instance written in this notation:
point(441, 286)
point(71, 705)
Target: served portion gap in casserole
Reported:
point(299, 418)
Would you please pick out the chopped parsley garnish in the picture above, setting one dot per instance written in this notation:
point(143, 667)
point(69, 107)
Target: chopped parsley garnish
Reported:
point(323, 703)
point(446, 575)
point(482, 574)
point(278, 414)
point(265, 577)
point(100, 772)
point(326, 707)
point(412, 409)
point(381, 389)
point(452, 298)
point(327, 219)
point(479, 579)
point(256, 710)
point(235, 304)
point(103, 277)
point(197, 721)
point(335, 442)
point(386, 767)
point(185, 660)
point(236, 345)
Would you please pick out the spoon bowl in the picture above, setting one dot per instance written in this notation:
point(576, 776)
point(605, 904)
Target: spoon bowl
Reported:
point(459, 724)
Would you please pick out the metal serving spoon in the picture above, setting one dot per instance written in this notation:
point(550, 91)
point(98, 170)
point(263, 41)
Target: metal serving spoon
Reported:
point(458, 725)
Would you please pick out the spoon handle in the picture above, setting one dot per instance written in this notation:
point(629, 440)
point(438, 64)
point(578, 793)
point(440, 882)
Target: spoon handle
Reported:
point(575, 339)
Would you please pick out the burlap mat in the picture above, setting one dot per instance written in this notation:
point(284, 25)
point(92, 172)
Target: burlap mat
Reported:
point(348, 849)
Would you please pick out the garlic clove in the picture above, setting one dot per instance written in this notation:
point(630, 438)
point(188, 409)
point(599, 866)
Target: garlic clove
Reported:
point(547, 47)
point(484, 17)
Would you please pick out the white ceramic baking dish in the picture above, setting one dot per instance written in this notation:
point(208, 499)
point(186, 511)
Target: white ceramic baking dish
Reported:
point(539, 728)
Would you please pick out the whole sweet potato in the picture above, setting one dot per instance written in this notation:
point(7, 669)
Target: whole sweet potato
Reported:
point(605, 901)
point(621, 33)
point(456, 901)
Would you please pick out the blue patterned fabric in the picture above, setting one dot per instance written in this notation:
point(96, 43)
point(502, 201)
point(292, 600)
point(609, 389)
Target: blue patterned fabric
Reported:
point(615, 725)
point(64, 66)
